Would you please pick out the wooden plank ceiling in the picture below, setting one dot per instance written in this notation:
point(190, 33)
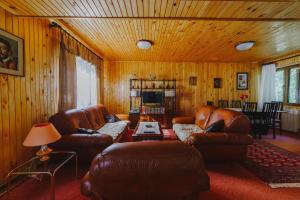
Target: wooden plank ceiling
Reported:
point(181, 30)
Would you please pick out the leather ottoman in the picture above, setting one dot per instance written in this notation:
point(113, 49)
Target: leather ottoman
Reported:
point(146, 170)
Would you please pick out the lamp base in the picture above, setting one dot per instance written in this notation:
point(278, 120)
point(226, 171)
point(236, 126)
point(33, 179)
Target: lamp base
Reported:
point(44, 152)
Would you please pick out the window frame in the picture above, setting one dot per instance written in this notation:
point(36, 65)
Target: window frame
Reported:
point(286, 85)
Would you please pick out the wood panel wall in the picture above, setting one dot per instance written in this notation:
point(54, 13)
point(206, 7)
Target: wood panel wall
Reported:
point(117, 75)
point(32, 98)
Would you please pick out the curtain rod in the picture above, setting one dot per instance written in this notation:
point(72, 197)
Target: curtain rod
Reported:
point(280, 59)
point(55, 25)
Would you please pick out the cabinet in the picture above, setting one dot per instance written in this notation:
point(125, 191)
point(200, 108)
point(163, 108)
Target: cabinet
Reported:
point(156, 98)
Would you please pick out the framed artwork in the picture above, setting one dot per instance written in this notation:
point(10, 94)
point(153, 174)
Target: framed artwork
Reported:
point(217, 82)
point(242, 81)
point(11, 54)
point(193, 80)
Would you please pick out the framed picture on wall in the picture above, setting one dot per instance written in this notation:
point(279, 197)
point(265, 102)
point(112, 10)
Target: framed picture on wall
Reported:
point(217, 82)
point(242, 81)
point(11, 54)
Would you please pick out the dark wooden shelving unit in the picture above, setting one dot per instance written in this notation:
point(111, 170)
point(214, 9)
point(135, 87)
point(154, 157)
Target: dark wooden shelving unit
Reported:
point(162, 111)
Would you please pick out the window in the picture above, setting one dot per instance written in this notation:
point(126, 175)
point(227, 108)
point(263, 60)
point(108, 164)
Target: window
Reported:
point(294, 85)
point(86, 83)
point(279, 85)
point(287, 85)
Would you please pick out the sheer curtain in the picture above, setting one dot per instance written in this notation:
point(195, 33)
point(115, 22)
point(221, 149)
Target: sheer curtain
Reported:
point(267, 90)
point(86, 83)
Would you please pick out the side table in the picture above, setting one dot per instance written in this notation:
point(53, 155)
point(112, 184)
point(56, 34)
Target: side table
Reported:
point(35, 167)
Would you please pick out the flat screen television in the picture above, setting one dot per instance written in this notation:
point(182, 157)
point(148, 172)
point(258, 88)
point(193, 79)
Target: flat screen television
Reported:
point(152, 97)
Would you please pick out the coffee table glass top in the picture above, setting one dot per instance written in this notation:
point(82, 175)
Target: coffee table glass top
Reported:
point(35, 166)
point(148, 128)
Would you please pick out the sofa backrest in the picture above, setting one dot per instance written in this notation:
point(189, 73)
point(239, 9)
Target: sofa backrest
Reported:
point(235, 122)
point(202, 115)
point(95, 116)
point(67, 122)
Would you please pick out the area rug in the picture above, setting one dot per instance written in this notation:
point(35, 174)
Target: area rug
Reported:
point(275, 166)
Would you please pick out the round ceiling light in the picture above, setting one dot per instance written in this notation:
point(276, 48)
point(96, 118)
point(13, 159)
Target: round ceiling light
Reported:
point(244, 46)
point(144, 44)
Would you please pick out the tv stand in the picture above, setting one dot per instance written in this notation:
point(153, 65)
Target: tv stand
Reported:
point(155, 98)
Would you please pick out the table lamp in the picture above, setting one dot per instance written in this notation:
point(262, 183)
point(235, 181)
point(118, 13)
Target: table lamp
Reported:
point(41, 135)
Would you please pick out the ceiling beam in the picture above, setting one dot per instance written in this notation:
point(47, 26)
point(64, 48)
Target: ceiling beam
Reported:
point(174, 18)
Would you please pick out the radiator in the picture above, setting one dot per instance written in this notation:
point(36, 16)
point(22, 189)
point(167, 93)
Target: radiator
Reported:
point(291, 121)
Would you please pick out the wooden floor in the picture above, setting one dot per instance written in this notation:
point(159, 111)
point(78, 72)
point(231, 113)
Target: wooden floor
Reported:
point(289, 141)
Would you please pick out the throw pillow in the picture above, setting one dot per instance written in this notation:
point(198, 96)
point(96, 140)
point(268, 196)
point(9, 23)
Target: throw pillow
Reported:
point(215, 127)
point(111, 118)
point(86, 131)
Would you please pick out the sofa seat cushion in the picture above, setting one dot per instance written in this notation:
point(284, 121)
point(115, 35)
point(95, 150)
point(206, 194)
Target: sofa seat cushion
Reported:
point(219, 138)
point(113, 129)
point(183, 131)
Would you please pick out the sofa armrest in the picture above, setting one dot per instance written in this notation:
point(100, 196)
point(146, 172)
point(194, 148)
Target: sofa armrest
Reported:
point(123, 117)
point(86, 187)
point(184, 120)
point(219, 138)
point(85, 140)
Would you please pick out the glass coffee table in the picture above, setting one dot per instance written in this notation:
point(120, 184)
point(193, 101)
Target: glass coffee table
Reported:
point(35, 167)
point(148, 131)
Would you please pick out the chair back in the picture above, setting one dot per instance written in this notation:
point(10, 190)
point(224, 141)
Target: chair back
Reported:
point(250, 107)
point(210, 103)
point(223, 103)
point(236, 104)
point(280, 108)
point(270, 110)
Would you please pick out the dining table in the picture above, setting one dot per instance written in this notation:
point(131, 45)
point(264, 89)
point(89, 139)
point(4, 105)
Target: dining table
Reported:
point(258, 120)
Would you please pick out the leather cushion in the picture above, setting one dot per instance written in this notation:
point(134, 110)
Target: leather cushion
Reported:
point(202, 116)
point(95, 117)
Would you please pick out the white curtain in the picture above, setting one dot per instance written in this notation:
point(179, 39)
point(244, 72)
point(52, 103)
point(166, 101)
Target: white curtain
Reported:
point(86, 83)
point(267, 88)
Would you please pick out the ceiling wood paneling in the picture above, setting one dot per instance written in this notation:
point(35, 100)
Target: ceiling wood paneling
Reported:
point(182, 30)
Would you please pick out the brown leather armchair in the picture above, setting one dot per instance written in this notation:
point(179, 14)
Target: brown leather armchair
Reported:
point(230, 144)
point(87, 145)
point(146, 170)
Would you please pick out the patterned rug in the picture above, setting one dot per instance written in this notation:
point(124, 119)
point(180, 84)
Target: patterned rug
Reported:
point(275, 166)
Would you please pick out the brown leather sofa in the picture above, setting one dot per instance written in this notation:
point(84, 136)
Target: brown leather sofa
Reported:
point(87, 145)
point(230, 144)
point(146, 170)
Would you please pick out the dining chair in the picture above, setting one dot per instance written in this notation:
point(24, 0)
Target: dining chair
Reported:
point(223, 103)
point(270, 112)
point(236, 104)
point(278, 118)
point(249, 107)
point(210, 103)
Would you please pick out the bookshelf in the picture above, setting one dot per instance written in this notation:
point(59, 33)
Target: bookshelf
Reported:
point(156, 98)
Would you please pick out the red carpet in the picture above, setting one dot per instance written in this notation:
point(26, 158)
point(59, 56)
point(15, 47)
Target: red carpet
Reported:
point(228, 182)
point(273, 164)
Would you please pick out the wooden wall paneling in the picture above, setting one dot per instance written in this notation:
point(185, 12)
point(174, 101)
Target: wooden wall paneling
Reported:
point(189, 97)
point(5, 113)
point(11, 104)
point(2, 165)
point(24, 100)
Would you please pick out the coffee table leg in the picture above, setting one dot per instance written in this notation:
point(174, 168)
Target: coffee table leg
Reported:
point(52, 187)
point(76, 166)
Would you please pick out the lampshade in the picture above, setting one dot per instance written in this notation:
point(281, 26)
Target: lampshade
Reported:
point(41, 134)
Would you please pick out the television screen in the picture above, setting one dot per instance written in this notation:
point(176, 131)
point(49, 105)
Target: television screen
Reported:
point(152, 97)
